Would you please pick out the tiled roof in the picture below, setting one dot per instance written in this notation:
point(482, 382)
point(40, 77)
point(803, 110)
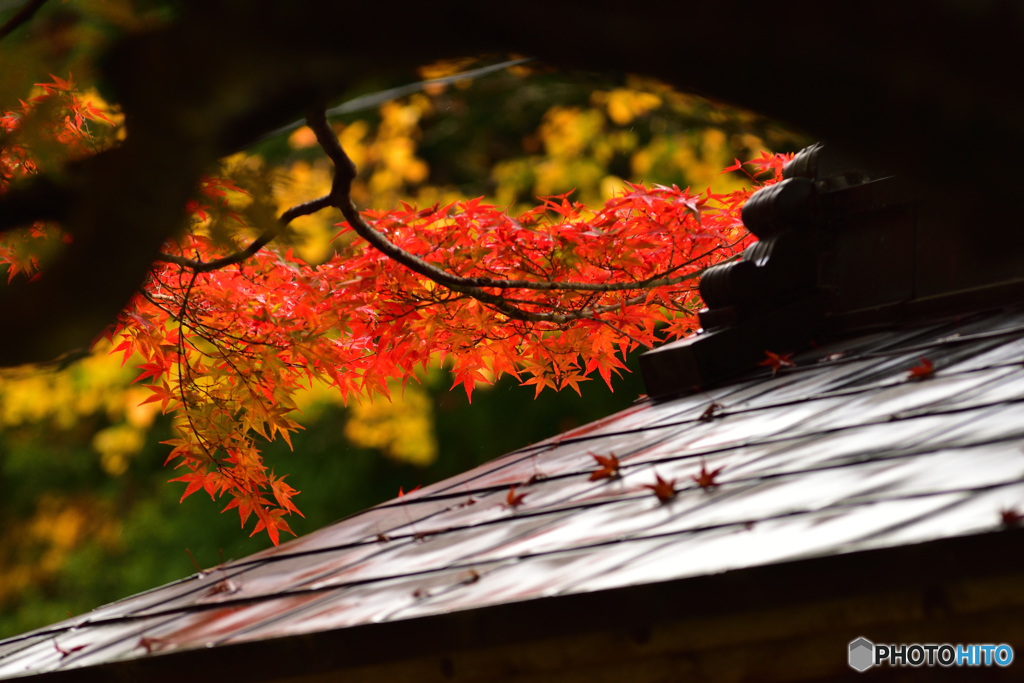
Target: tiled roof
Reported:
point(843, 453)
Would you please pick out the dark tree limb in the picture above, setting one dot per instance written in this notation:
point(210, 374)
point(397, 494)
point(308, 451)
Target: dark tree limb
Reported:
point(22, 16)
point(263, 240)
point(36, 199)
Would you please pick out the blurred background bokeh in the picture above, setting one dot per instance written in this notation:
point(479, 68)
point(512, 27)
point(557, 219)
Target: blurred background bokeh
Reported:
point(86, 513)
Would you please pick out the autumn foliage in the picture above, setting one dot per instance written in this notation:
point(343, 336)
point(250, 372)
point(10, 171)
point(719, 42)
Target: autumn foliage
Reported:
point(570, 290)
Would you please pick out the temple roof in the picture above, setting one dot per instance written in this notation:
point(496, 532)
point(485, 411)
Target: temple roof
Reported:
point(847, 452)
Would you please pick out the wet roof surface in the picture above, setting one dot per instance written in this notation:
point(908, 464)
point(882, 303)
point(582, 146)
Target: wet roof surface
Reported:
point(844, 452)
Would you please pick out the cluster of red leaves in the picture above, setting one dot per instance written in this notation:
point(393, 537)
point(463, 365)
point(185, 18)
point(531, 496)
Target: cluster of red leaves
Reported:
point(66, 117)
point(57, 115)
point(642, 237)
point(225, 351)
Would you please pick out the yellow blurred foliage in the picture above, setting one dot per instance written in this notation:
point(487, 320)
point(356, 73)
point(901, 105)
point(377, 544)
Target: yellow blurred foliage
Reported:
point(580, 144)
point(302, 138)
point(702, 155)
point(402, 428)
point(116, 445)
point(305, 181)
point(626, 104)
point(393, 152)
point(97, 383)
point(612, 186)
point(568, 131)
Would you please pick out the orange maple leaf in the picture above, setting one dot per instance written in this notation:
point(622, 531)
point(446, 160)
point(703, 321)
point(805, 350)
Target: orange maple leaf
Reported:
point(921, 371)
point(283, 494)
point(271, 520)
point(776, 361)
point(608, 467)
point(514, 500)
point(197, 480)
point(706, 479)
point(664, 490)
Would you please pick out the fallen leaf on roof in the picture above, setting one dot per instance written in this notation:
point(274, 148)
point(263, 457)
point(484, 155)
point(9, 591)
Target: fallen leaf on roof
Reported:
point(64, 653)
point(775, 361)
point(608, 467)
point(150, 644)
point(402, 493)
point(472, 577)
point(709, 412)
point(664, 490)
point(224, 586)
point(706, 479)
point(383, 538)
point(537, 476)
point(1010, 517)
point(513, 499)
point(922, 370)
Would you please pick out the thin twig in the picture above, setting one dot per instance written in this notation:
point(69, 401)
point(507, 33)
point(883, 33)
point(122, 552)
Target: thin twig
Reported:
point(263, 240)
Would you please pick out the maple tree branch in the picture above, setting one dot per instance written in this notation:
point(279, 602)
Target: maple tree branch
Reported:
point(263, 240)
point(340, 197)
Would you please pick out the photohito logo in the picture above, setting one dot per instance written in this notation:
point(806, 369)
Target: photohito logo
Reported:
point(864, 654)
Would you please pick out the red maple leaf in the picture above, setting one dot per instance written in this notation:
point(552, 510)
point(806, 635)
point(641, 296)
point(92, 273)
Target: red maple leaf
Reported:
point(664, 490)
point(608, 467)
point(706, 479)
point(514, 500)
point(402, 493)
point(709, 412)
point(776, 361)
point(921, 371)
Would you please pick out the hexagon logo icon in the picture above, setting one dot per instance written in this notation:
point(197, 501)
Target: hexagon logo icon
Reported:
point(862, 654)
